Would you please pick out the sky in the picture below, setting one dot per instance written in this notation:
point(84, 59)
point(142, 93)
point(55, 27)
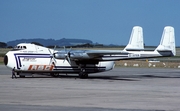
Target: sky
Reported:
point(102, 21)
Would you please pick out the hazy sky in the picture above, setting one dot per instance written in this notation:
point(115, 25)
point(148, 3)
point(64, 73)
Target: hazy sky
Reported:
point(102, 21)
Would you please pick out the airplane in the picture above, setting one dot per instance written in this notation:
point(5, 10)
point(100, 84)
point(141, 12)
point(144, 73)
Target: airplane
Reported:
point(29, 58)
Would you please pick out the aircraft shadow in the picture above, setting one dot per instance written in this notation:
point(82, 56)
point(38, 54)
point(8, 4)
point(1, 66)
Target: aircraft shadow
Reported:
point(133, 77)
point(91, 77)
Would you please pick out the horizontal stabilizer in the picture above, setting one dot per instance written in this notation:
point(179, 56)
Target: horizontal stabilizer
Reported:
point(136, 40)
point(167, 43)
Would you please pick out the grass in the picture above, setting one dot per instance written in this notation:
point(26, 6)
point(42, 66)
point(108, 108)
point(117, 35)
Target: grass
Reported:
point(1, 60)
point(4, 50)
point(146, 63)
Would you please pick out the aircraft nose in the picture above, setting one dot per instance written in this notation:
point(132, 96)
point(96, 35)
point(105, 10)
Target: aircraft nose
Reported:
point(5, 60)
point(9, 61)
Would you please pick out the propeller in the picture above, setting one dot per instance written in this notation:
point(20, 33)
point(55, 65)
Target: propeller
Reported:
point(67, 55)
point(52, 55)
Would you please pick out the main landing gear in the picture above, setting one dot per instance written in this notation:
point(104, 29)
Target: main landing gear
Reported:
point(54, 74)
point(83, 74)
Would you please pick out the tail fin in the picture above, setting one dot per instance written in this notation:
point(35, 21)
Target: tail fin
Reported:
point(167, 41)
point(136, 40)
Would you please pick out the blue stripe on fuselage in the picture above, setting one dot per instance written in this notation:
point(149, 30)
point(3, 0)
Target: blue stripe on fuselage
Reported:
point(20, 55)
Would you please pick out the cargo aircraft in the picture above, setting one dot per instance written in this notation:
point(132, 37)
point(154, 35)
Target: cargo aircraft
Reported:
point(31, 58)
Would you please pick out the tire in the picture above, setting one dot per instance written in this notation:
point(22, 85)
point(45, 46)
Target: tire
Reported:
point(83, 75)
point(22, 76)
point(54, 74)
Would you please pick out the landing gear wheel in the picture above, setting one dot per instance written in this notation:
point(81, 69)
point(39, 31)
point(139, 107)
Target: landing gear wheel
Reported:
point(54, 74)
point(83, 74)
point(22, 76)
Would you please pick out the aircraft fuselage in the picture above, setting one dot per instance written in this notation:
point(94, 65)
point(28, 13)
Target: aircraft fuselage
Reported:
point(38, 59)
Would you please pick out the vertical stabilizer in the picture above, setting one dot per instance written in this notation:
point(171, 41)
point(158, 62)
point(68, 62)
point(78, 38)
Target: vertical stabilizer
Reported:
point(136, 40)
point(167, 41)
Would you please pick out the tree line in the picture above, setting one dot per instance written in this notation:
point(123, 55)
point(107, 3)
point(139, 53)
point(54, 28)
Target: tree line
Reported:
point(87, 45)
point(3, 45)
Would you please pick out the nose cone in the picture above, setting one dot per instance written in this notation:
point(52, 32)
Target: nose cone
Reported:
point(9, 60)
point(5, 60)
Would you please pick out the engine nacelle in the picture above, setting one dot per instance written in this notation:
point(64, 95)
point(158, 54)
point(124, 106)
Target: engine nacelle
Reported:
point(72, 56)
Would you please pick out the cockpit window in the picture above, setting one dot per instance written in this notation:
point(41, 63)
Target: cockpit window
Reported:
point(20, 47)
point(24, 47)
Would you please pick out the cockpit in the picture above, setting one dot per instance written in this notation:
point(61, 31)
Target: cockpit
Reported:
point(19, 47)
point(27, 47)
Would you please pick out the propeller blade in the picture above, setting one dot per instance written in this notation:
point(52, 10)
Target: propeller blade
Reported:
point(65, 49)
point(67, 55)
point(50, 61)
point(54, 48)
point(64, 60)
point(69, 60)
point(51, 56)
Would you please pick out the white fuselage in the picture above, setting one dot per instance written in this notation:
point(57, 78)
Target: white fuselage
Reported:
point(38, 59)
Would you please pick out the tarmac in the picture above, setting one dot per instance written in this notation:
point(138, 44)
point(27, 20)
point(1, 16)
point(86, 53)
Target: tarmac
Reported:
point(122, 89)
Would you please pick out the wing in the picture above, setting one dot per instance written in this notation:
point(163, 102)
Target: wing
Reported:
point(95, 55)
point(104, 52)
point(165, 48)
